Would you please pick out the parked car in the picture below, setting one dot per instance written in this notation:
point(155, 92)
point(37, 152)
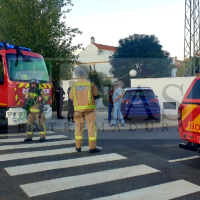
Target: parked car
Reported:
point(140, 102)
point(189, 117)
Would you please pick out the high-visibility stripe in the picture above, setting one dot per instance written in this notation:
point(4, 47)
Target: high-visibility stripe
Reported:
point(82, 84)
point(89, 95)
point(65, 183)
point(44, 85)
point(74, 94)
point(42, 133)
point(78, 137)
point(18, 103)
point(60, 164)
point(15, 89)
point(34, 110)
point(92, 138)
point(84, 107)
point(163, 191)
point(49, 86)
point(46, 98)
point(27, 85)
point(16, 97)
point(29, 133)
point(187, 110)
point(21, 85)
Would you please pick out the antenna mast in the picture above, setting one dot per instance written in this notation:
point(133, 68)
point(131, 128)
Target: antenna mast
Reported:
point(192, 37)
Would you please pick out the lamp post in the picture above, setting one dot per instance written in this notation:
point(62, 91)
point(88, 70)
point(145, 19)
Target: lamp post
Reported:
point(133, 73)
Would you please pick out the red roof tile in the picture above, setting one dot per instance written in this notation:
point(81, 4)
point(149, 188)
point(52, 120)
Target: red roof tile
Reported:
point(105, 47)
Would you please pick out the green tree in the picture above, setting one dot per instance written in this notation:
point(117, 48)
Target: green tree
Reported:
point(40, 25)
point(142, 53)
point(99, 79)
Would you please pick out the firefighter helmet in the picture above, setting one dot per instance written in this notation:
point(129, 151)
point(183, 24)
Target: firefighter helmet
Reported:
point(33, 80)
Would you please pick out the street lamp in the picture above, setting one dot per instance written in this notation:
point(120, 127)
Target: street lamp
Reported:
point(133, 73)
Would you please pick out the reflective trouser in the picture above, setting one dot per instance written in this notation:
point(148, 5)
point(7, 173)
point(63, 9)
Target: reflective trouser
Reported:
point(41, 125)
point(90, 118)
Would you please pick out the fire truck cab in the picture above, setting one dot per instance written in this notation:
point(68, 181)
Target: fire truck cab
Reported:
point(17, 66)
point(189, 117)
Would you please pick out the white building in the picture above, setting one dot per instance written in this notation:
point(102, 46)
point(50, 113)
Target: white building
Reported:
point(96, 56)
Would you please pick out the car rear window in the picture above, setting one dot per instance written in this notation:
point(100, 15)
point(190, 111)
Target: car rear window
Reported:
point(138, 94)
point(195, 91)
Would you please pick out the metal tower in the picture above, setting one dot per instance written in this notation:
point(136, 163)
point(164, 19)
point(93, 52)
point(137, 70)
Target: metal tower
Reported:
point(192, 37)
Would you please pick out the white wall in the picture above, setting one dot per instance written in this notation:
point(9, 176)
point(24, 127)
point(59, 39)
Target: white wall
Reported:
point(167, 89)
point(65, 88)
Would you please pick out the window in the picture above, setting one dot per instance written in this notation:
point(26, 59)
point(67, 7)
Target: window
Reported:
point(100, 51)
point(139, 94)
point(25, 71)
point(194, 93)
point(1, 71)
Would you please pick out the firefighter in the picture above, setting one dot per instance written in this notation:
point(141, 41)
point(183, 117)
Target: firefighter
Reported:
point(34, 104)
point(83, 95)
point(59, 98)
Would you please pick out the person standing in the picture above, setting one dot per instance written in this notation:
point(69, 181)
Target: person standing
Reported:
point(117, 98)
point(70, 104)
point(59, 100)
point(34, 105)
point(110, 103)
point(83, 96)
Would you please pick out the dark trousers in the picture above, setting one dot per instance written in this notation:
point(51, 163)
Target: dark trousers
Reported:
point(59, 107)
point(110, 108)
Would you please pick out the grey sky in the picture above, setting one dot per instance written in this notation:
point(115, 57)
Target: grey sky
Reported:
point(110, 20)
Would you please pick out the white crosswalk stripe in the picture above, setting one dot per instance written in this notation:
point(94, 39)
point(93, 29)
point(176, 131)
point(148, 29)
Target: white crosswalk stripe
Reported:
point(23, 155)
point(35, 145)
point(26, 169)
point(22, 139)
point(164, 191)
point(55, 185)
point(22, 134)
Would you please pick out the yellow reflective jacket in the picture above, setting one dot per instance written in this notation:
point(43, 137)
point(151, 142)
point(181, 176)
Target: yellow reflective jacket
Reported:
point(82, 95)
point(32, 95)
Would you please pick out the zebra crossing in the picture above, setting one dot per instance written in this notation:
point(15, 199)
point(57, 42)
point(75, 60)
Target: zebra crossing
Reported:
point(168, 190)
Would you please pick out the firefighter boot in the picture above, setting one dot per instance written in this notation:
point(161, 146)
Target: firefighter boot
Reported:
point(27, 140)
point(42, 139)
point(94, 150)
point(78, 149)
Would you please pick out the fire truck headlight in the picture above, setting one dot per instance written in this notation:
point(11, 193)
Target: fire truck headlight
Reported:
point(11, 115)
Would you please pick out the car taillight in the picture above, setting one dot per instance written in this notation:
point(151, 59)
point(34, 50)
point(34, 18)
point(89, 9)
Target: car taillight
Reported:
point(126, 101)
point(153, 100)
point(180, 114)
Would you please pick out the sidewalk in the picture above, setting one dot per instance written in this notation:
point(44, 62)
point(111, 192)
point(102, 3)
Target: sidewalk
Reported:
point(102, 125)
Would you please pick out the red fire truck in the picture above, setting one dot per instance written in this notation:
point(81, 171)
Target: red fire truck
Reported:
point(17, 66)
point(189, 117)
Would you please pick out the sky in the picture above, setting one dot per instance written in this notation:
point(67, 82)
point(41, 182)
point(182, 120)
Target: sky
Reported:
point(111, 20)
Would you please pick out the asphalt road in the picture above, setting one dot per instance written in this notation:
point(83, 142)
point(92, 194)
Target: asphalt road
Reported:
point(137, 160)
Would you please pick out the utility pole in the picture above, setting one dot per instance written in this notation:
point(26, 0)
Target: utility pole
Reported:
point(192, 37)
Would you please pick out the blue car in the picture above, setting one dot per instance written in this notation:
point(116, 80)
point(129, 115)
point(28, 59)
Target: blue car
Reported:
point(140, 102)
